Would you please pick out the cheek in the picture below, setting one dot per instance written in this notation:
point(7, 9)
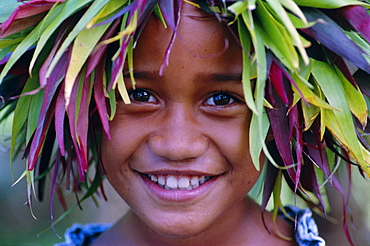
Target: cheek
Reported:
point(124, 137)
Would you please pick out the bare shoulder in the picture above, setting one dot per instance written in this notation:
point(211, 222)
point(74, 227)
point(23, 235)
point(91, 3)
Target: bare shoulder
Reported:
point(273, 231)
point(115, 235)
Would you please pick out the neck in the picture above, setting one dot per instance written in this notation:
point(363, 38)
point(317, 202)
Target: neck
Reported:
point(240, 225)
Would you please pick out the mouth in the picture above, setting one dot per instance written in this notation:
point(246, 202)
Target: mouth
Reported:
point(178, 182)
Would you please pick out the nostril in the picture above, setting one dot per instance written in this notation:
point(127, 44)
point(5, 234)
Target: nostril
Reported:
point(178, 148)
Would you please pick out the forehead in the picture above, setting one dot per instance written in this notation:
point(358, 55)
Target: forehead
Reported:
point(199, 38)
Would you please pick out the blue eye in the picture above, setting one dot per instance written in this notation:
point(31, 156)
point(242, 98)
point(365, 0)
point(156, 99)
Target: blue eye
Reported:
point(220, 99)
point(141, 95)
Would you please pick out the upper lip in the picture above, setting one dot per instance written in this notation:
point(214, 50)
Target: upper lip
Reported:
point(179, 172)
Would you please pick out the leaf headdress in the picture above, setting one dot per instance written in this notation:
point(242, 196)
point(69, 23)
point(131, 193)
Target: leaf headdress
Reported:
point(61, 62)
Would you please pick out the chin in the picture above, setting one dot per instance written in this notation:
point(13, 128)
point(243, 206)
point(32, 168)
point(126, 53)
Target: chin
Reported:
point(178, 228)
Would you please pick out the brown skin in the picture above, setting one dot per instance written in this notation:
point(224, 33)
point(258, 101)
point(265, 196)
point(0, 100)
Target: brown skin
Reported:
point(180, 128)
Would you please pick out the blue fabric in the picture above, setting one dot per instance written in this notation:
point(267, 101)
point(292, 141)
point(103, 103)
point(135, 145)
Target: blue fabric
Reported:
point(79, 235)
point(306, 233)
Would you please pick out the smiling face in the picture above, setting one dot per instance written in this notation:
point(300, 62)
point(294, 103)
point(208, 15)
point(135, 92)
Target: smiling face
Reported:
point(179, 153)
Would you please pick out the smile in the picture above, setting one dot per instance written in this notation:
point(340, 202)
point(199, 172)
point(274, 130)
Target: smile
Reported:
point(178, 182)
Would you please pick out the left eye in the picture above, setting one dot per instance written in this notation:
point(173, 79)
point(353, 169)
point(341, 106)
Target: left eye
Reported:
point(142, 95)
point(220, 99)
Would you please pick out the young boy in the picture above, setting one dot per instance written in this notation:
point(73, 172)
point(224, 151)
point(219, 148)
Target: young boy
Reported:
point(179, 152)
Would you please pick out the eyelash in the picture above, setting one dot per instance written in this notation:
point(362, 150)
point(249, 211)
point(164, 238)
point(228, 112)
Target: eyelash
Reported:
point(231, 99)
point(148, 97)
point(144, 93)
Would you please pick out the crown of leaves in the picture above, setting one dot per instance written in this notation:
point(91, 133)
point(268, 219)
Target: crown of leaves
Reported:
point(61, 62)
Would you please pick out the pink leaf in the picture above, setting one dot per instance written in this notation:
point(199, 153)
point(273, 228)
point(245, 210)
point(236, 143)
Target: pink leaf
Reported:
point(359, 18)
point(99, 97)
point(31, 8)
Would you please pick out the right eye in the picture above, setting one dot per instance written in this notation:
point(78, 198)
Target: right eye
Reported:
point(142, 95)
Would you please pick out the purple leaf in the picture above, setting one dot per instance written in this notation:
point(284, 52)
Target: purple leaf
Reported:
point(99, 97)
point(270, 179)
point(47, 111)
point(280, 129)
point(170, 12)
point(59, 120)
point(20, 25)
point(276, 78)
point(83, 123)
point(359, 18)
point(24, 13)
point(295, 125)
point(76, 125)
point(329, 34)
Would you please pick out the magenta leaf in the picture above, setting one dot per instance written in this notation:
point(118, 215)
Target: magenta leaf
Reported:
point(359, 18)
point(75, 100)
point(276, 78)
point(46, 112)
point(26, 15)
point(59, 120)
point(280, 129)
point(99, 97)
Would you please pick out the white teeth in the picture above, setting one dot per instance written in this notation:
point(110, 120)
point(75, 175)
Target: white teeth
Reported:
point(184, 182)
point(173, 182)
point(153, 178)
point(202, 179)
point(194, 181)
point(161, 180)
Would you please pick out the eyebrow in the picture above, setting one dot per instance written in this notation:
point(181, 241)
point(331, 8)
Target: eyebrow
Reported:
point(216, 77)
point(222, 77)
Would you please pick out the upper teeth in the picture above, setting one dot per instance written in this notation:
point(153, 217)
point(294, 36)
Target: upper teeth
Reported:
point(179, 182)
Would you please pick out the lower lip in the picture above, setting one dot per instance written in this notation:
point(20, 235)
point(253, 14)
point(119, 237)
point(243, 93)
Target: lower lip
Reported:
point(177, 195)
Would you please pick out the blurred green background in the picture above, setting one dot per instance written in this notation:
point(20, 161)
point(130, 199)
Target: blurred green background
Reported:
point(18, 227)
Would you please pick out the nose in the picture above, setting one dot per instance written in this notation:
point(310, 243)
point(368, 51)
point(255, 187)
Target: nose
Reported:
point(179, 136)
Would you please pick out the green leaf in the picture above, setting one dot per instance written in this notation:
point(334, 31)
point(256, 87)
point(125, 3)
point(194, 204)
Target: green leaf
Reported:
point(355, 99)
point(246, 76)
point(280, 12)
point(7, 7)
point(112, 103)
point(310, 112)
point(34, 112)
point(4, 43)
point(254, 138)
point(28, 41)
point(108, 9)
point(282, 40)
point(122, 89)
point(293, 8)
point(329, 4)
point(308, 94)
point(66, 9)
point(82, 48)
point(21, 113)
point(93, 10)
point(339, 122)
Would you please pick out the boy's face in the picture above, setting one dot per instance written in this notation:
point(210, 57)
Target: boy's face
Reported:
point(189, 125)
